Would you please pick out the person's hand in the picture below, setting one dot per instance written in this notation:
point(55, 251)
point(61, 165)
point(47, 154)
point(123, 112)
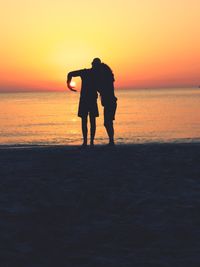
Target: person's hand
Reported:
point(70, 87)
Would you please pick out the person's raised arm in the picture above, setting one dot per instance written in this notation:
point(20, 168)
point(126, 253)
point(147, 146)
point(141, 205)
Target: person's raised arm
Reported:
point(69, 78)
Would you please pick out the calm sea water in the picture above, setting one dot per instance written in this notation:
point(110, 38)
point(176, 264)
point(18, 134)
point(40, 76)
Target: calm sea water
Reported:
point(165, 115)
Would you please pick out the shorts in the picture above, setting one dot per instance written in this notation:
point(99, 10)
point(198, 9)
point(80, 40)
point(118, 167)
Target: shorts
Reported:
point(109, 113)
point(88, 108)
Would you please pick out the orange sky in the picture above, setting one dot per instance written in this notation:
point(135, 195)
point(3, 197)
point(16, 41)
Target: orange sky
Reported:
point(147, 43)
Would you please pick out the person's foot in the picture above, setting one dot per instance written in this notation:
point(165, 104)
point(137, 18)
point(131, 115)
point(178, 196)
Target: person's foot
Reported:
point(110, 144)
point(83, 146)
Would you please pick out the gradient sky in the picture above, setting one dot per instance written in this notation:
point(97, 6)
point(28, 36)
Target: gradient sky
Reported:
point(147, 43)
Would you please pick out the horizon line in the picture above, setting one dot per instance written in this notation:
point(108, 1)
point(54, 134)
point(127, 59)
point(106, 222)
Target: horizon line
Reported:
point(117, 88)
point(17, 90)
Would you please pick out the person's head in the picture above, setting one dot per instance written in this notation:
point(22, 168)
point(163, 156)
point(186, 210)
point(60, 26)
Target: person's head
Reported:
point(96, 62)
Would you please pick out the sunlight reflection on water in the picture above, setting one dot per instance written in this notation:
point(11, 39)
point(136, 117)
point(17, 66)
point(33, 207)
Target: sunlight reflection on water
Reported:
point(171, 115)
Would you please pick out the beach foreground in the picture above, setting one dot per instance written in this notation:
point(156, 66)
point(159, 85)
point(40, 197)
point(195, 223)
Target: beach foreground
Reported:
point(133, 205)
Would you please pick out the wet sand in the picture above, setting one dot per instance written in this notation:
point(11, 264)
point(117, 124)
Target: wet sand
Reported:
point(133, 205)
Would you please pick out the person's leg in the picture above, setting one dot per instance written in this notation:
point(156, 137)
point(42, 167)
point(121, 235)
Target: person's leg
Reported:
point(84, 130)
point(92, 129)
point(108, 123)
point(109, 116)
point(110, 131)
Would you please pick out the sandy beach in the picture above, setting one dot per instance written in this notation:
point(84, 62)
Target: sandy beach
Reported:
point(133, 205)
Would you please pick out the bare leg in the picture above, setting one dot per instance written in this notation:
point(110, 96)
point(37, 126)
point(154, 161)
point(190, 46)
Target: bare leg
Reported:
point(110, 132)
point(84, 130)
point(108, 122)
point(92, 129)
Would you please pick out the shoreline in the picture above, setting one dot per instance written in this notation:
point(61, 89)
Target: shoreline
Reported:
point(97, 146)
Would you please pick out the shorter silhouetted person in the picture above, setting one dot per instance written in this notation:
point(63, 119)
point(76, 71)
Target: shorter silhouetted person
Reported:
point(88, 102)
point(105, 80)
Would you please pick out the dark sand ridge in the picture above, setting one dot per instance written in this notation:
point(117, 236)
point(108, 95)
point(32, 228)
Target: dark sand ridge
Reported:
point(134, 205)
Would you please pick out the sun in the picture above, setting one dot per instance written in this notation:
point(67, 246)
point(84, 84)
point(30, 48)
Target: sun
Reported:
point(73, 84)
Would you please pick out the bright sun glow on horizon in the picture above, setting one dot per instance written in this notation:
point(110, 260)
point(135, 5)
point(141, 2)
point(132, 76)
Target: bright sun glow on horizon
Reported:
point(150, 43)
point(73, 84)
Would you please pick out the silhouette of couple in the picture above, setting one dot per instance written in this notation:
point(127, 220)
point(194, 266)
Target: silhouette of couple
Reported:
point(98, 79)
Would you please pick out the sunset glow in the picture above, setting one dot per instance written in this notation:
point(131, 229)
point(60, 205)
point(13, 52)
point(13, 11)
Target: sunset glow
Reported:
point(73, 84)
point(149, 43)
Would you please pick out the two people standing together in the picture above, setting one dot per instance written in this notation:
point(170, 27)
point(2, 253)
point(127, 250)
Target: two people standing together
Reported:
point(98, 79)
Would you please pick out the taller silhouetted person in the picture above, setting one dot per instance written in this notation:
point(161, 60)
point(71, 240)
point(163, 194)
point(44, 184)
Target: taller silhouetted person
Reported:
point(87, 103)
point(105, 82)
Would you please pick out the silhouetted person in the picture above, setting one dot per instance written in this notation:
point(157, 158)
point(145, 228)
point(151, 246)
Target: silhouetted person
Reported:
point(105, 81)
point(87, 103)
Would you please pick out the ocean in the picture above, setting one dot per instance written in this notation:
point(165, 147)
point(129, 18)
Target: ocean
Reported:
point(143, 116)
